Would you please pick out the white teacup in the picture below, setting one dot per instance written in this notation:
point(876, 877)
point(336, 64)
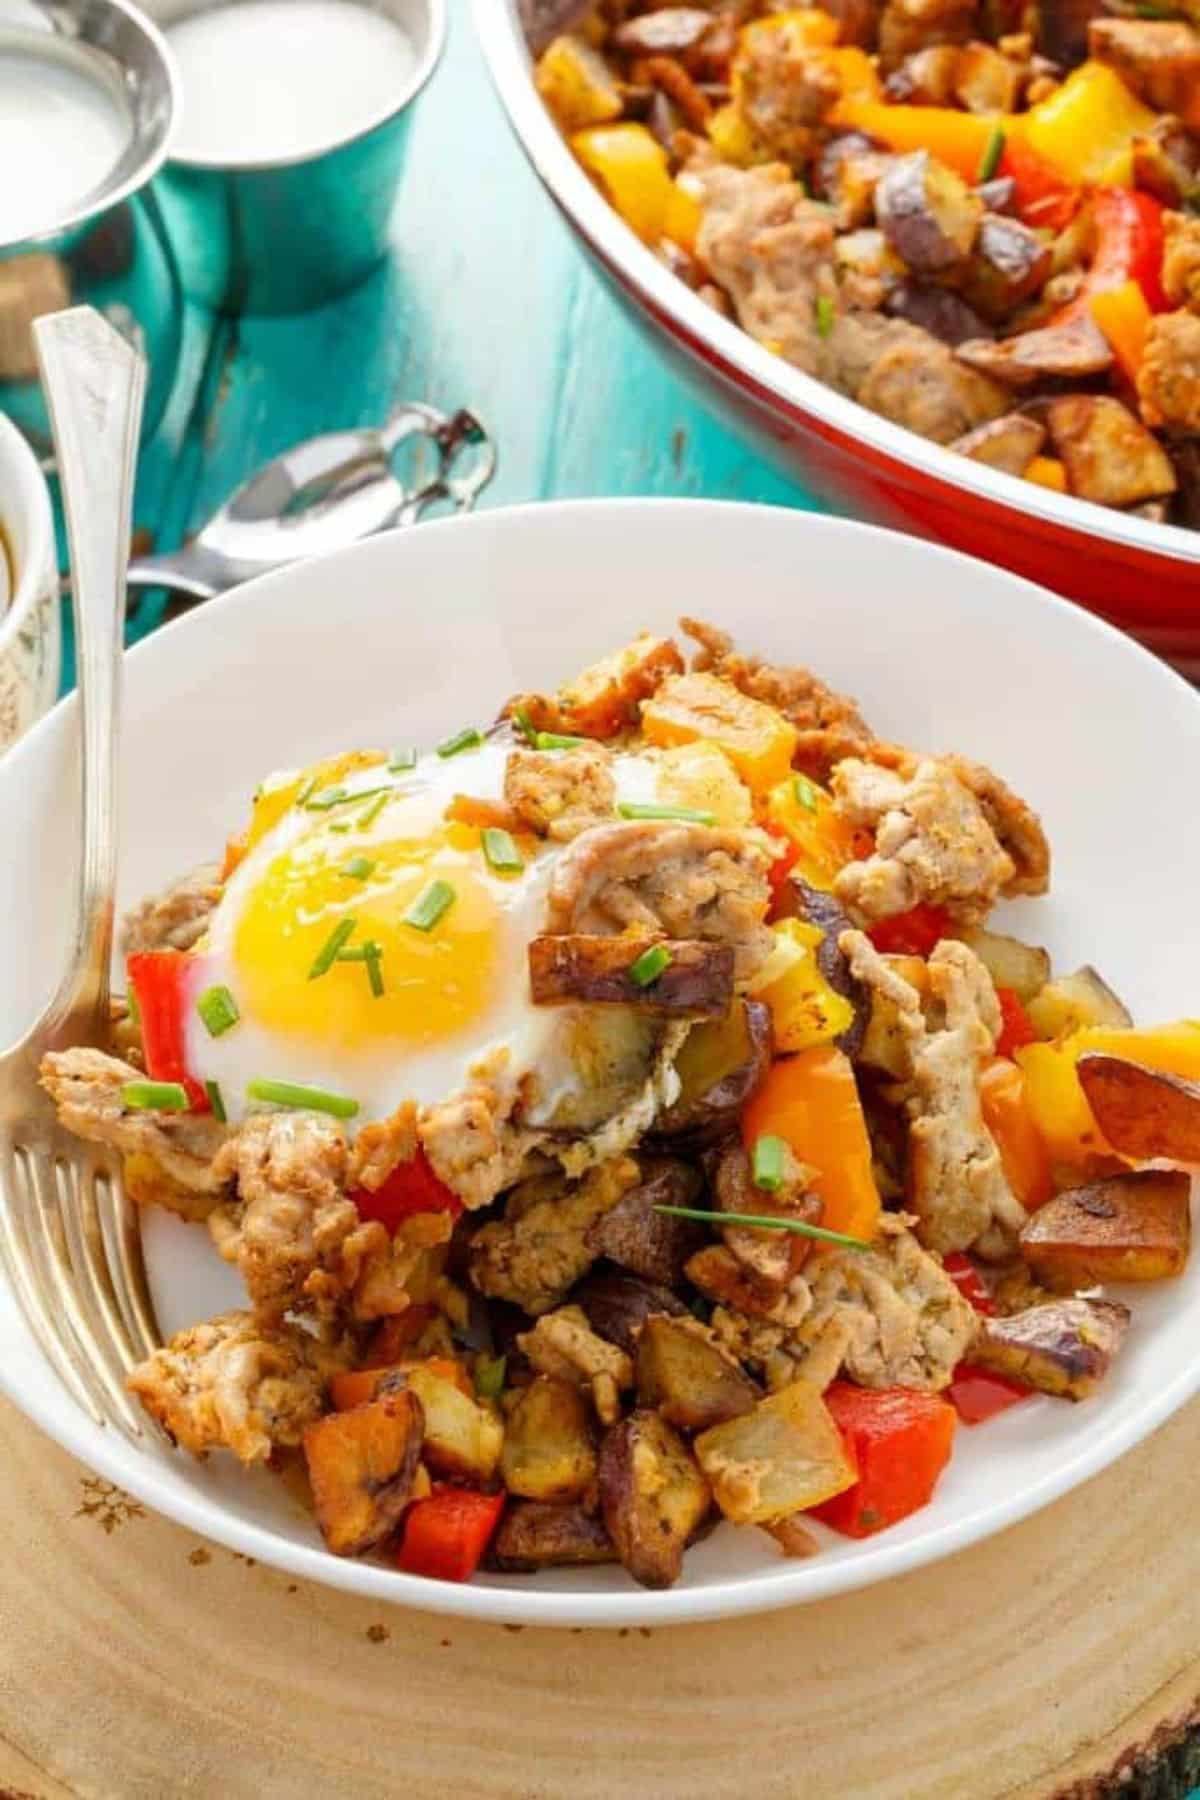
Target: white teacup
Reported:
point(30, 621)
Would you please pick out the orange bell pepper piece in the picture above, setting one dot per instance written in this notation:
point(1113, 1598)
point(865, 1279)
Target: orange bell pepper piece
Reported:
point(900, 1441)
point(1123, 315)
point(957, 139)
point(811, 1102)
point(1047, 472)
point(1008, 1118)
point(631, 166)
point(803, 815)
point(445, 1536)
point(758, 741)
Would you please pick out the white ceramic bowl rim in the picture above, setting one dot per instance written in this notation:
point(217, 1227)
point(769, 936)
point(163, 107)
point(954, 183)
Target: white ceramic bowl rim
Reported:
point(23, 490)
point(743, 362)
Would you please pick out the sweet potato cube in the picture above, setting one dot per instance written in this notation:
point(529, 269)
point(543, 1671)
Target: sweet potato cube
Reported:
point(1128, 1228)
point(1144, 1113)
point(361, 1465)
point(758, 741)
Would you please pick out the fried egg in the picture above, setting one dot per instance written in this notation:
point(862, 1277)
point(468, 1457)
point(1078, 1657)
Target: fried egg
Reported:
point(347, 976)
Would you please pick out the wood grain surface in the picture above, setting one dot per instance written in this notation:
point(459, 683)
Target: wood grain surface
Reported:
point(138, 1663)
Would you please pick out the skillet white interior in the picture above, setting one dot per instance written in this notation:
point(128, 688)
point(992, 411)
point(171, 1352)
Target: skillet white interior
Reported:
point(405, 637)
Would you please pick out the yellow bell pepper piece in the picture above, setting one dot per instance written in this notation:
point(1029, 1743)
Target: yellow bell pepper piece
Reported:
point(803, 812)
point(805, 1010)
point(1123, 315)
point(733, 140)
point(756, 739)
point(811, 1102)
point(1084, 124)
point(631, 166)
point(1056, 1099)
point(1047, 472)
point(682, 223)
point(577, 84)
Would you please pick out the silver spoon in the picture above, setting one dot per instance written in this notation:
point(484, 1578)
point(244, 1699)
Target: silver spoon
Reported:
point(324, 493)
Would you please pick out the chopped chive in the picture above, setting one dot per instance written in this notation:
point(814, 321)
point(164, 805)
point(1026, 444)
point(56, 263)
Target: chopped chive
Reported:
point(219, 1010)
point(216, 1102)
point(429, 906)
point(766, 1222)
point(687, 815)
point(340, 796)
point(555, 740)
point(304, 796)
point(826, 313)
point(525, 725)
point(993, 150)
point(501, 852)
point(768, 1164)
point(371, 954)
point(401, 760)
point(650, 965)
point(323, 801)
point(341, 825)
point(359, 868)
point(328, 953)
point(489, 1376)
point(372, 812)
point(805, 792)
point(466, 739)
point(155, 1096)
point(303, 1099)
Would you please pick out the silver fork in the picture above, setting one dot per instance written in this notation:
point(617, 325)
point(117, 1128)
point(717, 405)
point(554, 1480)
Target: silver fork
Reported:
point(69, 1236)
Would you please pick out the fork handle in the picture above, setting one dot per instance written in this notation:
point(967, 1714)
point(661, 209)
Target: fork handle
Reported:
point(94, 383)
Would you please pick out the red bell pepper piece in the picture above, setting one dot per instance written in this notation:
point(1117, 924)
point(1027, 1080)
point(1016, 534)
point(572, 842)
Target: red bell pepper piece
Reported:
point(979, 1394)
point(1015, 1029)
point(1041, 196)
point(969, 1282)
point(900, 1441)
point(1129, 247)
point(912, 933)
point(446, 1535)
point(412, 1187)
point(165, 984)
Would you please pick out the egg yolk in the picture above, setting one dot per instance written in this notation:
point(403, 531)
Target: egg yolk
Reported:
point(436, 983)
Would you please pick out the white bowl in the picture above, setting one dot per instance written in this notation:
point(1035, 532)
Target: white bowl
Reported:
point(30, 625)
point(403, 637)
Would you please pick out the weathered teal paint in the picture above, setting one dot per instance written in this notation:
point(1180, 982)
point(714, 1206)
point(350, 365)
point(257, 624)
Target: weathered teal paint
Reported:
point(486, 301)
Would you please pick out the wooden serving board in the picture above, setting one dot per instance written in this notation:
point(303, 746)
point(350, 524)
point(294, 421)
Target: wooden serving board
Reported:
point(139, 1663)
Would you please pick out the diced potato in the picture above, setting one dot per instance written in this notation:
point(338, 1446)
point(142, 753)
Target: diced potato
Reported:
point(782, 1458)
point(1128, 1228)
point(533, 1535)
point(1025, 968)
point(652, 1497)
point(719, 1067)
point(758, 741)
point(1074, 1001)
point(463, 1438)
point(548, 1449)
point(577, 84)
point(685, 1373)
point(617, 1305)
point(696, 983)
point(1065, 1347)
point(884, 1044)
point(1144, 1113)
point(647, 1242)
point(604, 699)
point(361, 1466)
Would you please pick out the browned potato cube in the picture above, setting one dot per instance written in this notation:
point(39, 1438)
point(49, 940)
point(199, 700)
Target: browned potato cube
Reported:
point(719, 1067)
point(1128, 1228)
point(1072, 1001)
point(696, 982)
point(782, 1458)
point(617, 1305)
point(646, 1242)
point(1065, 1347)
point(684, 1372)
point(1143, 1113)
point(535, 1535)
point(462, 1437)
point(361, 1465)
point(548, 1450)
point(652, 1497)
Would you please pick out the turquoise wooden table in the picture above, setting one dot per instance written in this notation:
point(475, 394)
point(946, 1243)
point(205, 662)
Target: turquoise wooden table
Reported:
point(484, 302)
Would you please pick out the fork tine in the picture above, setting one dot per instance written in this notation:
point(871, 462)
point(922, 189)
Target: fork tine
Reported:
point(85, 1248)
point(16, 1237)
point(122, 1236)
point(51, 1251)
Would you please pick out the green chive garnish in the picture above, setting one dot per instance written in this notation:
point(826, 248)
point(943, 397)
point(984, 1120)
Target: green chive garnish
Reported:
point(401, 760)
point(359, 868)
point(502, 854)
point(466, 739)
point(323, 801)
point(524, 725)
point(993, 150)
point(371, 954)
point(650, 965)
point(686, 815)
point(340, 796)
point(372, 812)
point(429, 906)
point(216, 1102)
point(555, 740)
point(765, 1222)
point(219, 1010)
point(303, 1099)
point(341, 825)
point(768, 1164)
point(155, 1096)
point(328, 953)
point(302, 798)
point(826, 313)
point(489, 1376)
point(806, 793)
